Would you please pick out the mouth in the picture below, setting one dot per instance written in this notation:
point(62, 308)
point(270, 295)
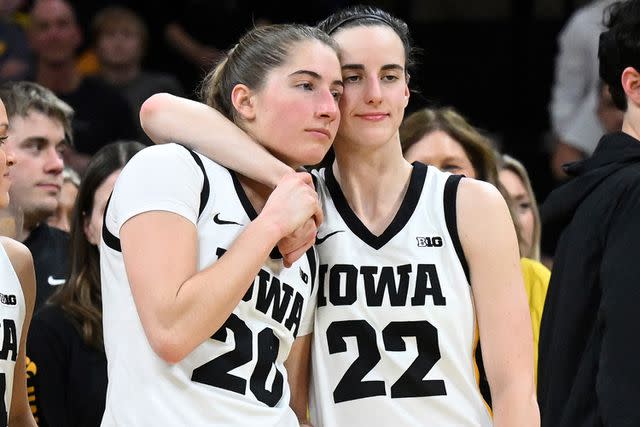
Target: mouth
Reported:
point(319, 132)
point(374, 117)
point(49, 187)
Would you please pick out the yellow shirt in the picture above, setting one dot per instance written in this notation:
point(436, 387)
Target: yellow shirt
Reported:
point(536, 281)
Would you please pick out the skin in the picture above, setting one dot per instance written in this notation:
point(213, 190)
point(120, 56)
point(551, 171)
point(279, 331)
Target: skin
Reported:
point(54, 33)
point(93, 222)
point(62, 217)
point(522, 203)
point(440, 150)
point(37, 142)
point(22, 262)
point(373, 175)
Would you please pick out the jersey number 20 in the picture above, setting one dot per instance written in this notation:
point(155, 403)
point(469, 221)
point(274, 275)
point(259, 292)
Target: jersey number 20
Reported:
point(216, 372)
point(410, 383)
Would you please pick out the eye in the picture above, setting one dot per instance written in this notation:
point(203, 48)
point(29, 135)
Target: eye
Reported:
point(351, 79)
point(390, 78)
point(337, 94)
point(3, 139)
point(305, 86)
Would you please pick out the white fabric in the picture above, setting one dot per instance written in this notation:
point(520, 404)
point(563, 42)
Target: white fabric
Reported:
point(143, 390)
point(574, 94)
point(336, 350)
point(12, 312)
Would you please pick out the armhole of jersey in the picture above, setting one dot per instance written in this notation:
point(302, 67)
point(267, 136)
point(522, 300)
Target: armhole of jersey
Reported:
point(450, 193)
point(114, 243)
point(311, 257)
point(314, 179)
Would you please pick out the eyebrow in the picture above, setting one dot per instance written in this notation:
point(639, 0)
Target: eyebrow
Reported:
point(40, 140)
point(315, 76)
point(360, 67)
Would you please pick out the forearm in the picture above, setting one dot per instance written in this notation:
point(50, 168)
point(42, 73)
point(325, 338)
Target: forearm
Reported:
point(167, 118)
point(515, 406)
point(204, 301)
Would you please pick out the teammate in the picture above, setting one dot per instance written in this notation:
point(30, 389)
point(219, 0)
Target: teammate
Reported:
point(412, 260)
point(17, 297)
point(200, 317)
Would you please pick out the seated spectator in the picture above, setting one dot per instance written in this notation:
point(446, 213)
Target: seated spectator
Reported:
point(40, 125)
point(120, 39)
point(15, 54)
point(102, 113)
point(65, 342)
point(62, 217)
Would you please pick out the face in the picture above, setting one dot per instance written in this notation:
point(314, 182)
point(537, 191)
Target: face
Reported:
point(93, 222)
point(37, 141)
point(295, 114)
point(523, 205)
point(440, 150)
point(375, 87)
point(7, 159)
point(54, 33)
point(120, 46)
point(62, 217)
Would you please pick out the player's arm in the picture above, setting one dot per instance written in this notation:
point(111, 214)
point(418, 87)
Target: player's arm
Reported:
point(298, 365)
point(489, 242)
point(168, 118)
point(617, 372)
point(22, 261)
point(179, 306)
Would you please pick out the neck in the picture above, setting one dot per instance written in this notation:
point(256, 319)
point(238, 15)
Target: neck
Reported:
point(119, 74)
point(60, 77)
point(631, 123)
point(257, 193)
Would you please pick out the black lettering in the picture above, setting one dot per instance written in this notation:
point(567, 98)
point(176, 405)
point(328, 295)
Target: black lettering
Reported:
point(350, 274)
point(426, 275)
point(295, 315)
point(387, 280)
point(269, 296)
point(322, 299)
point(9, 340)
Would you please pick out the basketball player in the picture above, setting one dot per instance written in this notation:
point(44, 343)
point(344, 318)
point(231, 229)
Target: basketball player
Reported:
point(200, 317)
point(413, 262)
point(17, 297)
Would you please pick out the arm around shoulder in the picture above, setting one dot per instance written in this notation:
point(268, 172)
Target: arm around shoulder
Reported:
point(490, 245)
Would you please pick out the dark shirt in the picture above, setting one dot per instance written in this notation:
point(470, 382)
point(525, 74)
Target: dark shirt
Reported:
point(588, 374)
point(49, 247)
point(70, 382)
point(102, 115)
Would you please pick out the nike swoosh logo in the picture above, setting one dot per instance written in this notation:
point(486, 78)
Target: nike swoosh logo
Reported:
point(320, 240)
point(219, 221)
point(55, 282)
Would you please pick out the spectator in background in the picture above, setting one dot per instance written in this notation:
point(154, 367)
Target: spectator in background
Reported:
point(102, 114)
point(40, 124)
point(574, 94)
point(15, 55)
point(120, 40)
point(62, 217)
point(65, 341)
point(588, 373)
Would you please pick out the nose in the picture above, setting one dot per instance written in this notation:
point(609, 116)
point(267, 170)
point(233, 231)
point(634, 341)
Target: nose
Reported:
point(328, 107)
point(11, 159)
point(54, 162)
point(373, 91)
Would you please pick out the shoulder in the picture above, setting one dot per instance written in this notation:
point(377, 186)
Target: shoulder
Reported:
point(19, 255)
point(479, 196)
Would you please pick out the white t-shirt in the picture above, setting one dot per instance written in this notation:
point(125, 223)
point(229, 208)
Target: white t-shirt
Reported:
point(395, 327)
point(237, 377)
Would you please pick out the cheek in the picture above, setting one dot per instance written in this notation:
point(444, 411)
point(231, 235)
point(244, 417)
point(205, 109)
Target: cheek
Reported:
point(526, 221)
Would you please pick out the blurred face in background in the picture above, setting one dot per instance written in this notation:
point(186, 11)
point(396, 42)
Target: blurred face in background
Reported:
point(442, 151)
point(120, 45)
point(522, 205)
point(54, 33)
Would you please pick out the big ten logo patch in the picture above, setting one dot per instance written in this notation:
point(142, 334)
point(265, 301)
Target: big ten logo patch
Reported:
point(429, 242)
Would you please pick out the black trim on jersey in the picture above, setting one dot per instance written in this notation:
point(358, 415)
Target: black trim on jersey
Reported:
point(408, 206)
point(114, 243)
point(311, 257)
point(204, 193)
point(249, 209)
point(450, 193)
point(109, 239)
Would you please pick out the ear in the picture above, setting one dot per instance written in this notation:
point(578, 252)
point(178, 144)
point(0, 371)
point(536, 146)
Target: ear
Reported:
point(243, 101)
point(631, 84)
point(407, 93)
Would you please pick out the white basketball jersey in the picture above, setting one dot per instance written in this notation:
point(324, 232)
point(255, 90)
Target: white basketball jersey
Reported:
point(395, 327)
point(235, 378)
point(12, 312)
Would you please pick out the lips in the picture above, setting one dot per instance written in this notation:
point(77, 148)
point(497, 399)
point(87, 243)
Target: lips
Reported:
point(49, 186)
point(374, 117)
point(319, 131)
